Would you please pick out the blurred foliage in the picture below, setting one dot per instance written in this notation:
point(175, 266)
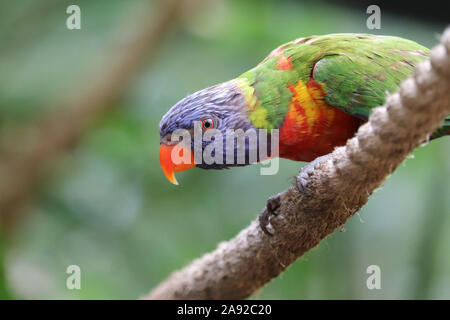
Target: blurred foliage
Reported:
point(105, 205)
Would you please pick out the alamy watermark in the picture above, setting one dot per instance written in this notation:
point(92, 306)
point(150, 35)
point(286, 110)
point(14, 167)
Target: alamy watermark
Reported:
point(73, 281)
point(73, 22)
point(374, 20)
point(234, 147)
point(374, 280)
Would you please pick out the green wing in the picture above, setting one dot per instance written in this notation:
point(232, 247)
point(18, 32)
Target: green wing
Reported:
point(360, 71)
point(357, 71)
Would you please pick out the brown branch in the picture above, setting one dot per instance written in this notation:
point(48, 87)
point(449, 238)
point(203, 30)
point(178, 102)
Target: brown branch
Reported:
point(337, 189)
point(25, 158)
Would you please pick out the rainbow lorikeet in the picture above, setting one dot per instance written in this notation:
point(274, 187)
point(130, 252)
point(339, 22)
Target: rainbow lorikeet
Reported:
point(316, 90)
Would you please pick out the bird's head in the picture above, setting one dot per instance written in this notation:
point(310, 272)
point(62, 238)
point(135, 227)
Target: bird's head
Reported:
point(194, 131)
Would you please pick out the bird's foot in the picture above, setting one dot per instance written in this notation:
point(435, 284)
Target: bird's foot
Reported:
point(273, 203)
point(306, 172)
point(271, 209)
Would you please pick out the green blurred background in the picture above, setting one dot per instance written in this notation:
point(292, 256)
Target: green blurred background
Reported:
point(105, 205)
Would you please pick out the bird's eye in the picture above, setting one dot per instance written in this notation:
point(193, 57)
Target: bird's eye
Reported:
point(207, 123)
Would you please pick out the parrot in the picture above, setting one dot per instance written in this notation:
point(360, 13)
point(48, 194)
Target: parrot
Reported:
point(315, 90)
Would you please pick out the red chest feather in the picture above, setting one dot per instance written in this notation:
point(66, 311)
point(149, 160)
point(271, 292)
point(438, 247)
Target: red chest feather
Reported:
point(313, 128)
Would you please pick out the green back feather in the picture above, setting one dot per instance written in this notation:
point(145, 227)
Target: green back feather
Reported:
point(358, 79)
point(357, 70)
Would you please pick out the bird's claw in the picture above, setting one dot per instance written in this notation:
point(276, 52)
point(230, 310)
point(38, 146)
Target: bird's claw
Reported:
point(273, 204)
point(306, 172)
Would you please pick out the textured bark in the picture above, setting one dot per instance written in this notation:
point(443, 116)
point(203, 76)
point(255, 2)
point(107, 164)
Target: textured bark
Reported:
point(337, 189)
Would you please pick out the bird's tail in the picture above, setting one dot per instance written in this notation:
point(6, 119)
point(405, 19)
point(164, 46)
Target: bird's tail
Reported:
point(443, 130)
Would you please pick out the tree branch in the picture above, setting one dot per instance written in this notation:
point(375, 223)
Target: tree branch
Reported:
point(337, 189)
point(26, 156)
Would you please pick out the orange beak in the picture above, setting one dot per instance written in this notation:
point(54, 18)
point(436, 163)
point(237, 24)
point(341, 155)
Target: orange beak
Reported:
point(167, 154)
